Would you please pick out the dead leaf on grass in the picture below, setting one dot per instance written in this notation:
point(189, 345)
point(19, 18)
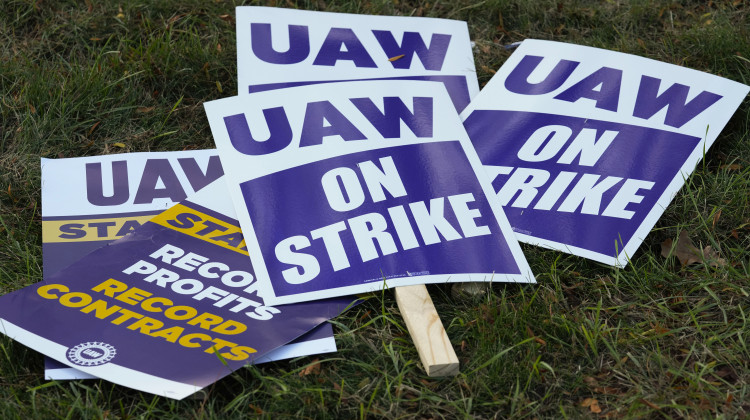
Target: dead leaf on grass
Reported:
point(716, 219)
point(592, 405)
point(712, 257)
point(650, 404)
point(227, 18)
point(607, 390)
point(93, 127)
point(144, 109)
point(312, 369)
point(534, 336)
point(685, 251)
point(731, 167)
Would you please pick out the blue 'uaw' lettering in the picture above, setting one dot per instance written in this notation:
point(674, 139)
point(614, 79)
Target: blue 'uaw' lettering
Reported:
point(603, 88)
point(157, 180)
point(323, 119)
point(376, 234)
point(342, 44)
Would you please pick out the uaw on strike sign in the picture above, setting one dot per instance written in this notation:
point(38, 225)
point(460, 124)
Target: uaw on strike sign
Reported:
point(358, 186)
point(284, 47)
point(587, 147)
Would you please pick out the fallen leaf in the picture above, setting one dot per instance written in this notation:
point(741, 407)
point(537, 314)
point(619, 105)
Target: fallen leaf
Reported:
point(312, 369)
point(365, 316)
point(227, 18)
point(218, 47)
point(32, 108)
point(93, 127)
point(427, 383)
point(532, 335)
point(712, 257)
point(145, 109)
point(716, 219)
point(592, 405)
point(95, 38)
point(685, 251)
point(731, 167)
point(650, 404)
point(398, 57)
point(487, 69)
point(120, 145)
point(218, 86)
point(658, 329)
point(255, 408)
point(607, 390)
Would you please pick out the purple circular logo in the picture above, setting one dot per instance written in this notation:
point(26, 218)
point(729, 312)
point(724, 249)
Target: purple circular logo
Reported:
point(91, 353)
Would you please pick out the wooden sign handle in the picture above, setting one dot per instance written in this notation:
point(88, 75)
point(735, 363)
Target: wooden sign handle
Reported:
point(426, 329)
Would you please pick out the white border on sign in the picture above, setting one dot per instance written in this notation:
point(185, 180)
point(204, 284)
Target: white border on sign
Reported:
point(707, 126)
point(288, 351)
point(240, 168)
point(459, 58)
point(115, 373)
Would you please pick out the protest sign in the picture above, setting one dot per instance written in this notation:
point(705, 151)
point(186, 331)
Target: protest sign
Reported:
point(279, 47)
point(88, 202)
point(168, 309)
point(363, 185)
point(587, 147)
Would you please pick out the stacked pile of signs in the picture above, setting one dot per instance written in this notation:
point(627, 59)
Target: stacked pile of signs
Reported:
point(348, 169)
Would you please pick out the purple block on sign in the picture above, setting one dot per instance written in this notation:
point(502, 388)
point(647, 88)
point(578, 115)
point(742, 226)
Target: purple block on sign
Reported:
point(551, 189)
point(431, 173)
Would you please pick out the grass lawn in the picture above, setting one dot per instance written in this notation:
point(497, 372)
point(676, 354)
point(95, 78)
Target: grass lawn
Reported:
point(656, 339)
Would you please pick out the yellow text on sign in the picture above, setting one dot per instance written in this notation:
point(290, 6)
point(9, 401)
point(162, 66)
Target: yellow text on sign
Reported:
point(202, 226)
point(90, 229)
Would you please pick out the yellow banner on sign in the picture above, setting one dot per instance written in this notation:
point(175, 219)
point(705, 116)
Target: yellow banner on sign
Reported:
point(202, 226)
point(84, 230)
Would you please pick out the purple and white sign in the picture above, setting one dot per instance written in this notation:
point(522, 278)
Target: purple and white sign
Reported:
point(586, 147)
point(168, 309)
point(279, 47)
point(88, 202)
point(360, 186)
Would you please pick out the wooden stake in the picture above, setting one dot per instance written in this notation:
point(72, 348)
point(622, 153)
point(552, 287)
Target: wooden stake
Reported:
point(426, 330)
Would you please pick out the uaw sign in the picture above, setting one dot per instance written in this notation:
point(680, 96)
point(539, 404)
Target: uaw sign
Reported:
point(179, 289)
point(88, 202)
point(284, 47)
point(587, 147)
point(360, 186)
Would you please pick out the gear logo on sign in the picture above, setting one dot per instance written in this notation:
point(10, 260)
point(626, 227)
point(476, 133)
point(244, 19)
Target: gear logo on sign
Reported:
point(92, 353)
